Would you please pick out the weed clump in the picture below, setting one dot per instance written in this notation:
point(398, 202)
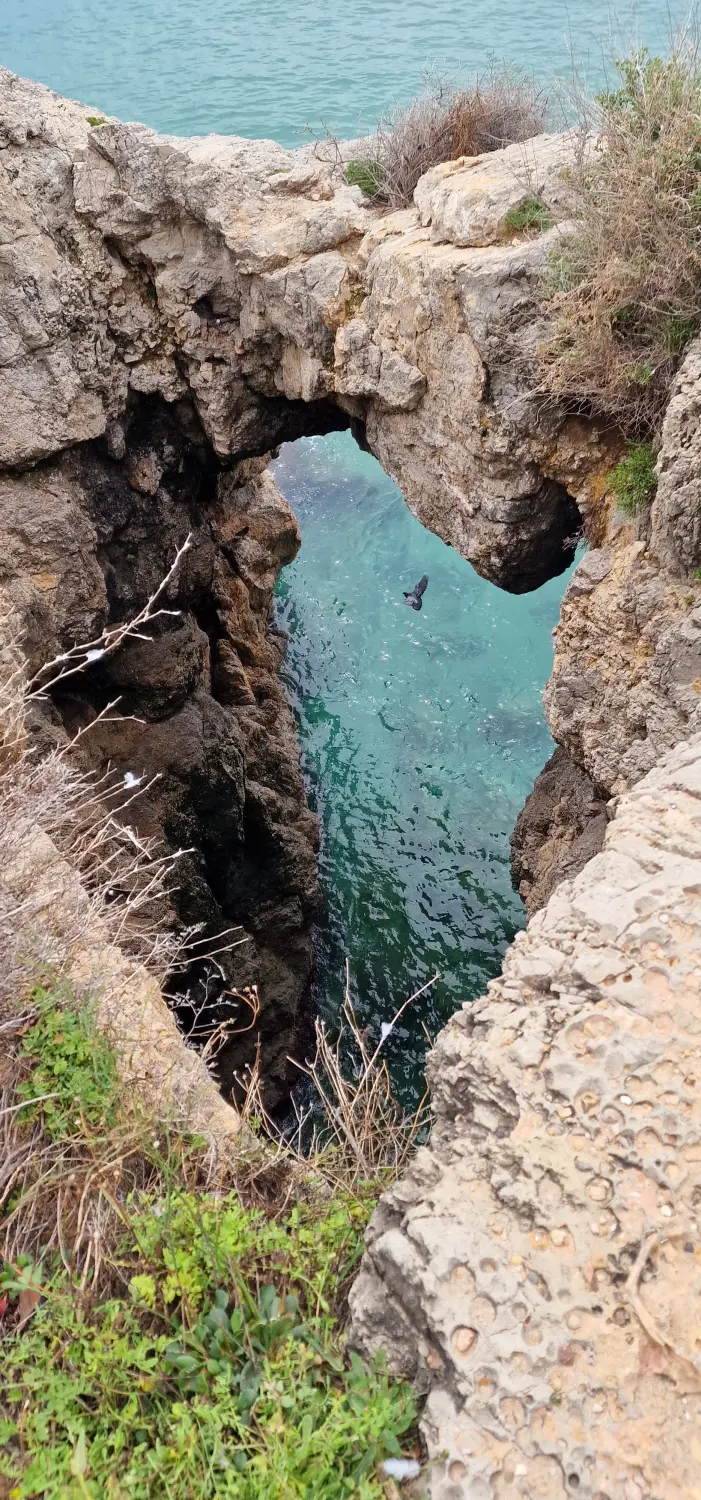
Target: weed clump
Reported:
point(445, 123)
point(626, 286)
point(366, 173)
point(532, 214)
point(95, 120)
point(634, 480)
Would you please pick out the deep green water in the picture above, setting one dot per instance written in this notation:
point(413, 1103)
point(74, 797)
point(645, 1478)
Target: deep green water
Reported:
point(421, 733)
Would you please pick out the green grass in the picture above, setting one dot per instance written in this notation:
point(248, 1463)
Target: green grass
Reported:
point(71, 1062)
point(532, 214)
point(95, 120)
point(633, 481)
point(210, 1360)
point(367, 175)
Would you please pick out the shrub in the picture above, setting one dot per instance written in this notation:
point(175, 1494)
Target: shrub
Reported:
point(443, 124)
point(95, 120)
point(626, 287)
point(633, 481)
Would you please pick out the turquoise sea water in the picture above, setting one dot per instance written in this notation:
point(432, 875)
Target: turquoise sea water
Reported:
point(274, 67)
point(421, 733)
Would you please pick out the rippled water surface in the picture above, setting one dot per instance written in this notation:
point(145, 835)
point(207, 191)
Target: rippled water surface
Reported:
point(421, 732)
point(273, 67)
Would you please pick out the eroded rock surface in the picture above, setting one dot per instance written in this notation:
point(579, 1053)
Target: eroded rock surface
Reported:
point(254, 281)
point(170, 309)
point(539, 1268)
point(626, 683)
point(561, 827)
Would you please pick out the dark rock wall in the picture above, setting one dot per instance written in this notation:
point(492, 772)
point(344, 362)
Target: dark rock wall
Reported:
point(91, 535)
point(560, 828)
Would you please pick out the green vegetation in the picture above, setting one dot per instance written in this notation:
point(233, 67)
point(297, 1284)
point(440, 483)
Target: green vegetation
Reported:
point(95, 120)
point(161, 1335)
point(531, 214)
point(72, 1071)
point(366, 174)
point(626, 288)
point(633, 481)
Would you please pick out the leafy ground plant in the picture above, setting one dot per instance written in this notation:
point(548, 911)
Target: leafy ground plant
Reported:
point(162, 1337)
point(626, 286)
point(633, 481)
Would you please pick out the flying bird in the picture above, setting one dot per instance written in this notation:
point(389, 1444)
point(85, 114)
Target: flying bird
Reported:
point(414, 598)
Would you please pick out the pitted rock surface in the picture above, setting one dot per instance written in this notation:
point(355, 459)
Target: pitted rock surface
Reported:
point(539, 1268)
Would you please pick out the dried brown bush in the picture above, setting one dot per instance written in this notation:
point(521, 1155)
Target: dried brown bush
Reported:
point(499, 109)
point(626, 285)
point(86, 817)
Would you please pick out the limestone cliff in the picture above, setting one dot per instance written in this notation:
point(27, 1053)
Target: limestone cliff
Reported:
point(170, 310)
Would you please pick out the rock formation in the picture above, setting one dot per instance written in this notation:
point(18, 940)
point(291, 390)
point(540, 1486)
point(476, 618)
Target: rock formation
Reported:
point(171, 310)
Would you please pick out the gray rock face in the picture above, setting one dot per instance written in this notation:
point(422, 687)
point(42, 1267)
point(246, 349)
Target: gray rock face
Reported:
point(626, 683)
point(561, 827)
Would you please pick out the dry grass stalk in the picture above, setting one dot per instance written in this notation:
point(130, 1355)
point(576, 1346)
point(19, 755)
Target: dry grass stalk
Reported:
point(369, 1131)
point(499, 109)
point(626, 286)
point(109, 640)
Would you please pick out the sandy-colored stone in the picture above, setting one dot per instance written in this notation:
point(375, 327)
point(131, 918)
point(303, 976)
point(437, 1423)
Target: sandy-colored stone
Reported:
point(467, 202)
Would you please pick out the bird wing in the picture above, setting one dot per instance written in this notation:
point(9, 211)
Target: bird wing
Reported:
point(421, 586)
